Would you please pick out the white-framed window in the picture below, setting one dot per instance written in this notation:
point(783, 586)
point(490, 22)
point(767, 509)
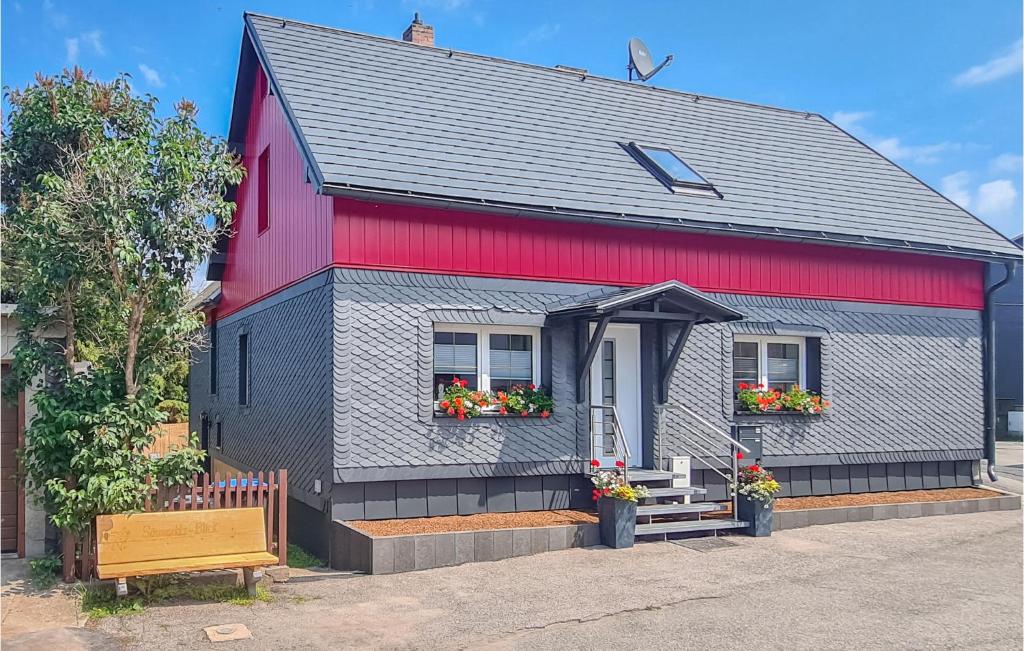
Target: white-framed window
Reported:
point(774, 362)
point(489, 357)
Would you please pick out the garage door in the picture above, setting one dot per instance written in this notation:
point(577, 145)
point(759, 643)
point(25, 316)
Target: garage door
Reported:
point(8, 467)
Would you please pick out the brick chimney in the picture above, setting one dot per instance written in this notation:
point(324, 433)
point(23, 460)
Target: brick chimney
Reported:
point(419, 33)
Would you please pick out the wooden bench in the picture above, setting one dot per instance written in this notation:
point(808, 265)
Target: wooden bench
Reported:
point(141, 544)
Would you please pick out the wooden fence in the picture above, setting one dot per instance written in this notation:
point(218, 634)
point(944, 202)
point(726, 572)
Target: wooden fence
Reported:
point(230, 491)
point(168, 436)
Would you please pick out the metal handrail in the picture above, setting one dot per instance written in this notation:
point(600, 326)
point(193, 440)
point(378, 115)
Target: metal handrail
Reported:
point(714, 428)
point(733, 444)
point(713, 444)
point(618, 438)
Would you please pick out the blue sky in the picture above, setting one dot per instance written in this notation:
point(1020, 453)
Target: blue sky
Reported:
point(933, 84)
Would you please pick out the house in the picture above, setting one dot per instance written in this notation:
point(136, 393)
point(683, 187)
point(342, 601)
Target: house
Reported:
point(1008, 317)
point(413, 214)
point(24, 529)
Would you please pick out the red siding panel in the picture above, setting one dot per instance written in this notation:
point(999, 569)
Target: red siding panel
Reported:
point(309, 233)
point(407, 238)
point(298, 240)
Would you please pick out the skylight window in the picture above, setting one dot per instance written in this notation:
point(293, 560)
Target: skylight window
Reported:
point(672, 170)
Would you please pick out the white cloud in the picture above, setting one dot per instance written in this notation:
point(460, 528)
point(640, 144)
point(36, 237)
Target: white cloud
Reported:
point(891, 147)
point(954, 187)
point(851, 120)
point(541, 33)
point(894, 149)
point(993, 69)
point(1006, 163)
point(71, 49)
point(94, 39)
point(151, 76)
point(58, 18)
point(996, 198)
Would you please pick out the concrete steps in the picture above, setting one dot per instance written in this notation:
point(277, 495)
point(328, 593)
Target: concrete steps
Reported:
point(687, 526)
point(665, 514)
point(656, 510)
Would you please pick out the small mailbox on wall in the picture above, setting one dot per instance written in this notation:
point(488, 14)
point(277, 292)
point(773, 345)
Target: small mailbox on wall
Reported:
point(750, 437)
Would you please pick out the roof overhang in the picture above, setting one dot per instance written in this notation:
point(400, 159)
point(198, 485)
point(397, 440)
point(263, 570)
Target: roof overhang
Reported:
point(207, 297)
point(662, 302)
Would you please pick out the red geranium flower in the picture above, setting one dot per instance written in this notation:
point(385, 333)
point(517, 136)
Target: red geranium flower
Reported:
point(532, 387)
point(503, 411)
point(739, 455)
point(462, 415)
point(620, 464)
point(755, 468)
point(545, 413)
point(455, 382)
point(458, 402)
point(744, 386)
point(451, 411)
point(595, 463)
point(524, 413)
point(445, 404)
point(465, 383)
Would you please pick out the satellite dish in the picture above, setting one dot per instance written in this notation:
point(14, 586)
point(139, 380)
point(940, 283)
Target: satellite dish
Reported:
point(640, 61)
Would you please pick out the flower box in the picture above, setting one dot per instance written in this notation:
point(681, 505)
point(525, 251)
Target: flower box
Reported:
point(461, 402)
point(758, 399)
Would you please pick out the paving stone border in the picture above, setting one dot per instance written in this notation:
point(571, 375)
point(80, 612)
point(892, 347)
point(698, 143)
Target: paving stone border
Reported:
point(352, 549)
point(809, 517)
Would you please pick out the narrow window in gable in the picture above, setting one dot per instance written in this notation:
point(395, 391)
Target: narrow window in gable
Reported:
point(263, 191)
point(243, 369)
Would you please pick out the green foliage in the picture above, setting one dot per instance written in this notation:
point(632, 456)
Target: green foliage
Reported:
point(176, 410)
point(107, 212)
point(99, 601)
point(299, 557)
point(43, 571)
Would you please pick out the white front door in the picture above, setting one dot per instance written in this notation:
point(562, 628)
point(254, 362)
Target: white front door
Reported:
point(615, 381)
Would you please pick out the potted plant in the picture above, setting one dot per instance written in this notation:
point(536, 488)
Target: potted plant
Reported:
point(756, 488)
point(616, 505)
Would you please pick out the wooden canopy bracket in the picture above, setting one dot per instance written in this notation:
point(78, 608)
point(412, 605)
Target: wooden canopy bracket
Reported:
point(668, 366)
point(587, 351)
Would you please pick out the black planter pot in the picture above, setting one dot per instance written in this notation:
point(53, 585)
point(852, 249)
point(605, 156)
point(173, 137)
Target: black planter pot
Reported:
point(755, 513)
point(617, 520)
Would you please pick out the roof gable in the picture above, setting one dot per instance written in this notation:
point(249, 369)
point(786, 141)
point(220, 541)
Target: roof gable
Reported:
point(378, 117)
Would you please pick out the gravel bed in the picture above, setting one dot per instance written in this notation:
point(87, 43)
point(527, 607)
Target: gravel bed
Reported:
point(476, 522)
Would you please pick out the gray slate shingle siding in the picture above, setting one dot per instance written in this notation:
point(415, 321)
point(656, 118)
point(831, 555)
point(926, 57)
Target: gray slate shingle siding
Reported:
point(288, 423)
point(341, 382)
point(389, 116)
point(883, 368)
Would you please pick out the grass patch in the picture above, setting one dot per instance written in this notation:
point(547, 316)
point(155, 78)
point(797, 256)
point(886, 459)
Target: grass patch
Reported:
point(42, 572)
point(300, 558)
point(101, 601)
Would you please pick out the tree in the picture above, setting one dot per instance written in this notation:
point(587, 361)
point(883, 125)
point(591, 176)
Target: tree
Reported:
point(108, 211)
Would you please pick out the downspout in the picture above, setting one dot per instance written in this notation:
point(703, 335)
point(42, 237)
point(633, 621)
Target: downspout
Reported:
point(988, 347)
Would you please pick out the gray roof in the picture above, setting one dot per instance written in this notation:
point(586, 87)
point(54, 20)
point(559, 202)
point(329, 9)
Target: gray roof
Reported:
point(376, 116)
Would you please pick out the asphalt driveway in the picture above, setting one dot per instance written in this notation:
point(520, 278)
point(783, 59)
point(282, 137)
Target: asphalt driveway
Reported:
point(937, 582)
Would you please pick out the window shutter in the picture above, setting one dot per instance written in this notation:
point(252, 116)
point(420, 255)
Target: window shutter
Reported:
point(545, 357)
point(813, 348)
